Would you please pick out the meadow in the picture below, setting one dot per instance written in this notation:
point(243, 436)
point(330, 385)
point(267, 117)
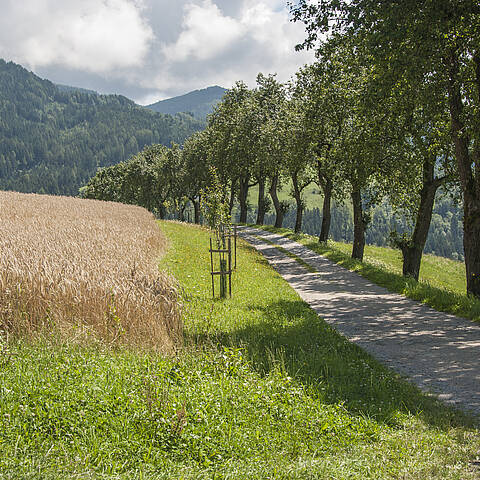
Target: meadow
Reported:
point(261, 388)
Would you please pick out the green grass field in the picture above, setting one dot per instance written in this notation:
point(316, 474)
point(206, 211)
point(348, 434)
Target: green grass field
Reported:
point(311, 195)
point(442, 282)
point(262, 389)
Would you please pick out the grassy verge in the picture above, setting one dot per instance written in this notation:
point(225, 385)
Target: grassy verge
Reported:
point(441, 284)
point(262, 389)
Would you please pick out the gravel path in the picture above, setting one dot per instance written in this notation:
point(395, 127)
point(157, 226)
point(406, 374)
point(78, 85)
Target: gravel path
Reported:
point(439, 352)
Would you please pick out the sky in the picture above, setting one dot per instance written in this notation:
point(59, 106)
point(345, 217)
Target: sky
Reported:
point(149, 50)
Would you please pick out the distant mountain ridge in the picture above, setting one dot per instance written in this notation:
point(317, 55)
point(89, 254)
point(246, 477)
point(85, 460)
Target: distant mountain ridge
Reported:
point(199, 102)
point(52, 140)
point(68, 88)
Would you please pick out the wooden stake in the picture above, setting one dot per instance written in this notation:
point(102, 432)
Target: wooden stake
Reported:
point(211, 266)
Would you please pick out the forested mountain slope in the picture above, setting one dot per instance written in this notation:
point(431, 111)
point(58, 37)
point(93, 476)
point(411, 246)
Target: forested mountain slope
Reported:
point(69, 88)
point(198, 102)
point(53, 141)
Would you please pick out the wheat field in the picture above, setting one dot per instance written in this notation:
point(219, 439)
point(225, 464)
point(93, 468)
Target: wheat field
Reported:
point(84, 269)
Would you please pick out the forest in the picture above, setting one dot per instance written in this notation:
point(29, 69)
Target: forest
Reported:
point(53, 139)
point(364, 124)
point(199, 102)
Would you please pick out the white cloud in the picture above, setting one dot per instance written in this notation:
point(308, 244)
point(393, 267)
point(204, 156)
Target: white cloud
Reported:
point(151, 49)
point(89, 35)
point(213, 48)
point(206, 33)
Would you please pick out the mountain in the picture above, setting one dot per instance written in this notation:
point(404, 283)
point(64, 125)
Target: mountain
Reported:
point(68, 88)
point(199, 102)
point(53, 140)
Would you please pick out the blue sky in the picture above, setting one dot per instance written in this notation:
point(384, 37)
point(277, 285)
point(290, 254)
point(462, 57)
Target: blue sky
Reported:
point(151, 49)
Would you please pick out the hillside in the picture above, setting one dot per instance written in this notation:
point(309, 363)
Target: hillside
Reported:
point(198, 102)
point(68, 88)
point(53, 141)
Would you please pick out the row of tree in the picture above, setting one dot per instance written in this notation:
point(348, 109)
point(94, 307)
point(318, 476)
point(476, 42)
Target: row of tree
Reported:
point(444, 237)
point(417, 70)
point(384, 112)
point(270, 137)
point(327, 127)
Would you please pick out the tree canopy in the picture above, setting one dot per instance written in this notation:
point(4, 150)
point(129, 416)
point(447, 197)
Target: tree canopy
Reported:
point(421, 45)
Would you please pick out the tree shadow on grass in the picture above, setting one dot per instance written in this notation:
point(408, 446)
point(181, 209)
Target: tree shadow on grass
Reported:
point(332, 369)
point(291, 336)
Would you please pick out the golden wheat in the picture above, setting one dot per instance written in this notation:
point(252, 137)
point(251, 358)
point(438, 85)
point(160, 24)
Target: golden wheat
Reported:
point(84, 268)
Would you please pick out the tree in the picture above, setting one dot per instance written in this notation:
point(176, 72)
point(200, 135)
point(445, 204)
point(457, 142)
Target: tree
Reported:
point(299, 154)
point(270, 102)
point(424, 164)
point(324, 115)
point(248, 140)
point(413, 41)
point(173, 173)
point(232, 143)
point(214, 207)
point(195, 168)
point(147, 179)
point(356, 148)
point(215, 211)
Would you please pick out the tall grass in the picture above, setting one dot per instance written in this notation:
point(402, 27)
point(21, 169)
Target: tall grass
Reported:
point(84, 269)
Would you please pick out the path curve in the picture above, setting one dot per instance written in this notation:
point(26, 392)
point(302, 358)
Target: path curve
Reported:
point(438, 352)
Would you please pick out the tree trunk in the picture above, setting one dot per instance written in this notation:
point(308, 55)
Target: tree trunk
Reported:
point(196, 210)
point(299, 217)
point(358, 225)
point(469, 181)
point(297, 194)
point(261, 202)
point(181, 212)
point(279, 213)
point(326, 210)
point(471, 244)
point(162, 211)
point(242, 197)
point(232, 197)
point(412, 259)
point(412, 251)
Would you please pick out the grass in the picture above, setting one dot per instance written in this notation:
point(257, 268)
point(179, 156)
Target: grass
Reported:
point(312, 195)
point(441, 285)
point(261, 389)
